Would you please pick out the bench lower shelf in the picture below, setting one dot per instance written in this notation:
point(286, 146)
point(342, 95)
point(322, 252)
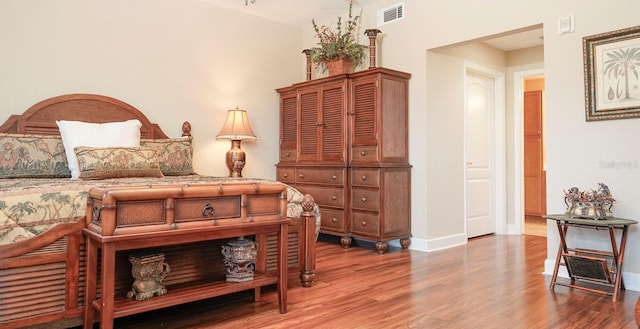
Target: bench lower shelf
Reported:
point(184, 293)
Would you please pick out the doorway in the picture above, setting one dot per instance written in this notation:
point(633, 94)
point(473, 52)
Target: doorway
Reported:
point(505, 54)
point(534, 168)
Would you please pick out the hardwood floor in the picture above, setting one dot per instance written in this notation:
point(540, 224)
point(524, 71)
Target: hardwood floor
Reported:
point(492, 282)
point(535, 225)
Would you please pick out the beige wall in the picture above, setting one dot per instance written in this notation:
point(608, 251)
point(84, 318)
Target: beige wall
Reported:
point(443, 135)
point(525, 56)
point(174, 60)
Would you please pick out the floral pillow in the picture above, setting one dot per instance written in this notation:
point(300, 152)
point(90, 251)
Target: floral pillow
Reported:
point(175, 155)
point(32, 156)
point(117, 162)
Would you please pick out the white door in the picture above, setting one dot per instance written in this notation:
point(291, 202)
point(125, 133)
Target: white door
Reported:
point(479, 154)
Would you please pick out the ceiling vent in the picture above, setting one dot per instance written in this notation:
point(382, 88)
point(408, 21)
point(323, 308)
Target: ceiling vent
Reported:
point(391, 14)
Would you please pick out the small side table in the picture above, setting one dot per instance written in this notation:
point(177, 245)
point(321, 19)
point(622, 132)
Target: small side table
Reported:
point(594, 266)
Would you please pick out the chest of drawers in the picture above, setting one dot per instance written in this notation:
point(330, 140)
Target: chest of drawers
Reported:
point(372, 203)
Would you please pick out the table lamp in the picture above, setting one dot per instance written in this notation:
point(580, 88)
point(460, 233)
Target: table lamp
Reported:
point(236, 129)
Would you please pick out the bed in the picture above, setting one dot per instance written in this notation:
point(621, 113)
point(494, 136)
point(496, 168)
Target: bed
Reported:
point(43, 211)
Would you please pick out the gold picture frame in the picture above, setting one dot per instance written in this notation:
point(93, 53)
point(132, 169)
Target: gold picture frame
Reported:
point(612, 74)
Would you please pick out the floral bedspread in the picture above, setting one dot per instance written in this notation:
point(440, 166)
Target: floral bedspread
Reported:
point(29, 207)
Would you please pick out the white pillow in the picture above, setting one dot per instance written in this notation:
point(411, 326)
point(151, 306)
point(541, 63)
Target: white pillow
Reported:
point(110, 134)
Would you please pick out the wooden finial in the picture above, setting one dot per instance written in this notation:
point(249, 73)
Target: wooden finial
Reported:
point(372, 33)
point(307, 53)
point(186, 129)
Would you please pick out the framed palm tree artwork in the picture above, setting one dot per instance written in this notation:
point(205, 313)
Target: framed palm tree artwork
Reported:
point(612, 74)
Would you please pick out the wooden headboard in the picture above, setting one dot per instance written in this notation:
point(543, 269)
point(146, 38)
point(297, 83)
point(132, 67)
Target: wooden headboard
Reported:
point(40, 119)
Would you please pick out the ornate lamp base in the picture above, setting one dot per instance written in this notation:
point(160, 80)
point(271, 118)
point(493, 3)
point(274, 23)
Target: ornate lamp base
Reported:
point(240, 259)
point(235, 159)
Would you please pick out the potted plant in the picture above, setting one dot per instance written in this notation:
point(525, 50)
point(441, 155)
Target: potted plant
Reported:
point(338, 51)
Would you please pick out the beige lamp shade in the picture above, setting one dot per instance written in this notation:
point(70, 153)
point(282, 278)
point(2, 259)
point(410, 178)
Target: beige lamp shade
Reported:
point(237, 127)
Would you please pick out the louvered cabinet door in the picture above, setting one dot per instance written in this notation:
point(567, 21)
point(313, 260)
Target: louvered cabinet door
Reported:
point(379, 112)
point(308, 141)
point(364, 130)
point(321, 127)
point(288, 126)
point(333, 123)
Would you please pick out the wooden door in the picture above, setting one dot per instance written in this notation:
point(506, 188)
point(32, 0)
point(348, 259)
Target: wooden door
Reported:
point(534, 173)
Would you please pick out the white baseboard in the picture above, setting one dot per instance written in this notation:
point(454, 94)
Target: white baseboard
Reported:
point(425, 245)
point(512, 230)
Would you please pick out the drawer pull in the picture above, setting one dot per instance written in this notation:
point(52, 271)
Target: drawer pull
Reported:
point(364, 178)
point(334, 177)
point(208, 210)
point(363, 223)
point(334, 220)
point(285, 175)
point(364, 200)
point(301, 175)
point(288, 154)
point(334, 198)
point(363, 153)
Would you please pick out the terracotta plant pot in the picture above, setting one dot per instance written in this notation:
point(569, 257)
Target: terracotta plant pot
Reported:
point(339, 66)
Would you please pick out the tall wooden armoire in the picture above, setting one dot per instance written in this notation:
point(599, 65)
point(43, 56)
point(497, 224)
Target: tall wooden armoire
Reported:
point(344, 140)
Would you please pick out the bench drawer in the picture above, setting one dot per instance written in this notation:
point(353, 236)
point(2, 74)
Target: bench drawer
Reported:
point(207, 208)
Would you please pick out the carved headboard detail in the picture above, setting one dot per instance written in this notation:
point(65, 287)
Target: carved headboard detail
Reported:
point(40, 119)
